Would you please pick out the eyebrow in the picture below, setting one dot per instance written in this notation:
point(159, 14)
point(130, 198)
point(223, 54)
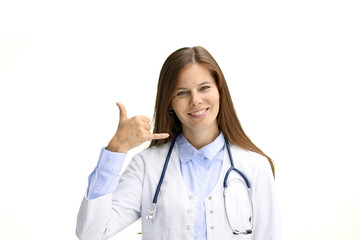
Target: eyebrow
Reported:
point(203, 83)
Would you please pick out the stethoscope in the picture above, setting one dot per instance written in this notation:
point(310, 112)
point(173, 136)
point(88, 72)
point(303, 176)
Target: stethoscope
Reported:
point(152, 212)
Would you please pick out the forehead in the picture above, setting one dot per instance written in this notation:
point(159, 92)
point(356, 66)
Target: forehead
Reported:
point(194, 74)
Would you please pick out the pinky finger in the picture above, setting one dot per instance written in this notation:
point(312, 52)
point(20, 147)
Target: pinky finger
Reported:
point(159, 135)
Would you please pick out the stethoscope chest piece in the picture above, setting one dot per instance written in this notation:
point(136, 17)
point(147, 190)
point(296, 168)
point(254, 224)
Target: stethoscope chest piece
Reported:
point(151, 213)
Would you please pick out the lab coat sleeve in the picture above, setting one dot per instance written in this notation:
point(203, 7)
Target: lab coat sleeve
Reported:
point(105, 177)
point(267, 225)
point(105, 216)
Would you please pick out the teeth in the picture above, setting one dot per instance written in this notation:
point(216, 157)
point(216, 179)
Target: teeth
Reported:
point(198, 113)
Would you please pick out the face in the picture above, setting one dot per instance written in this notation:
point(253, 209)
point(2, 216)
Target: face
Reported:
point(195, 100)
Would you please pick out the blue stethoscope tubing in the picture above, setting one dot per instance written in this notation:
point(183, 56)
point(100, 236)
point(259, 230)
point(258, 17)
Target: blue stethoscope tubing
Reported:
point(152, 212)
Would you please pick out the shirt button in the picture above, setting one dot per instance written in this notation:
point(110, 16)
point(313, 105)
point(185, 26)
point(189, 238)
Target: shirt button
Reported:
point(190, 197)
point(210, 198)
point(211, 211)
point(109, 161)
point(189, 211)
point(188, 227)
point(212, 227)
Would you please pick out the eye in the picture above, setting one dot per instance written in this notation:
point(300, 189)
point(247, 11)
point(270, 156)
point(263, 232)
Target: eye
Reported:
point(204, 88)
point(181, 93)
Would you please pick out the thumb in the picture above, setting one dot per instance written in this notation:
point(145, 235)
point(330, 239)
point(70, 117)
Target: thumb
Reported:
point(122, 109)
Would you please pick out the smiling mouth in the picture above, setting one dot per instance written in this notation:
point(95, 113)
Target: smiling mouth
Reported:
point(197, 113)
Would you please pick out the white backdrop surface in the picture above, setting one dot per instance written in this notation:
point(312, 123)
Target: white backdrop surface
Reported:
point(293, 68)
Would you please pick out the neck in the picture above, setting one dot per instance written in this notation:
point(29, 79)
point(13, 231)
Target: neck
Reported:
point(200, 138)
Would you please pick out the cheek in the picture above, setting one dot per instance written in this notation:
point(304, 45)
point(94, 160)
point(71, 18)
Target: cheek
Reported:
point(177, 106)
point(216, 99)
point(216, 103)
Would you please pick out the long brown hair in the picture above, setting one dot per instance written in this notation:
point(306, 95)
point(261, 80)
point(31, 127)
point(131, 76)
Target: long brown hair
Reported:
point(167, 122)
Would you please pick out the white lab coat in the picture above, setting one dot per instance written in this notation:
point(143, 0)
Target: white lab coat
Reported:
point(103, 217)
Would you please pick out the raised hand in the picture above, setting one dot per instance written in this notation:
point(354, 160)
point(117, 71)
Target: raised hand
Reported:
point(132, 132)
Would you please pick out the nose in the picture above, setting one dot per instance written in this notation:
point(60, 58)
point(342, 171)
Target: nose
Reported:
point(195, 99)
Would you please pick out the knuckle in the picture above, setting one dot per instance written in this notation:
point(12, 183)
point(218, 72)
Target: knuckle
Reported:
point(140, 134)
point(143, 136)
point(137, 118)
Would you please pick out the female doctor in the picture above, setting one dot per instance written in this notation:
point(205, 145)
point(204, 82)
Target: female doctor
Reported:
point(201, 178)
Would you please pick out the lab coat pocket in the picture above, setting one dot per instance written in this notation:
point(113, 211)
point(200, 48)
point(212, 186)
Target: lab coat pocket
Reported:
point(238, 206)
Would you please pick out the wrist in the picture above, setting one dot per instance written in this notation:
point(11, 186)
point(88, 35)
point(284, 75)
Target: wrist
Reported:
point(116, 147)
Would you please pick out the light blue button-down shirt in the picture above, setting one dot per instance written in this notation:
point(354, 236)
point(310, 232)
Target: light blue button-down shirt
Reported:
point(200, 170)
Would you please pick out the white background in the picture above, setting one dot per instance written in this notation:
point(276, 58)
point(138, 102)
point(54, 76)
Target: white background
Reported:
point(293, 68)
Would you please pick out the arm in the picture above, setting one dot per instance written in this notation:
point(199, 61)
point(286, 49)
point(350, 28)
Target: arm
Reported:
point(106, 212)
point(105, 177)
point(106, 215)
point(267, 225)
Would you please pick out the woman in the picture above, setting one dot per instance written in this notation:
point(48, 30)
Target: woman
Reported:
point(194, 113)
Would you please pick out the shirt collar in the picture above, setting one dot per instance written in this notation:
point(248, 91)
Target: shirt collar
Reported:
point(186, 151)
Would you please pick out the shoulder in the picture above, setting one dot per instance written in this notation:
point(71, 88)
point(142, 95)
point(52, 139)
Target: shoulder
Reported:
point(151, 160)
point(155, 151)
point(251, 162)
point(253, 158)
